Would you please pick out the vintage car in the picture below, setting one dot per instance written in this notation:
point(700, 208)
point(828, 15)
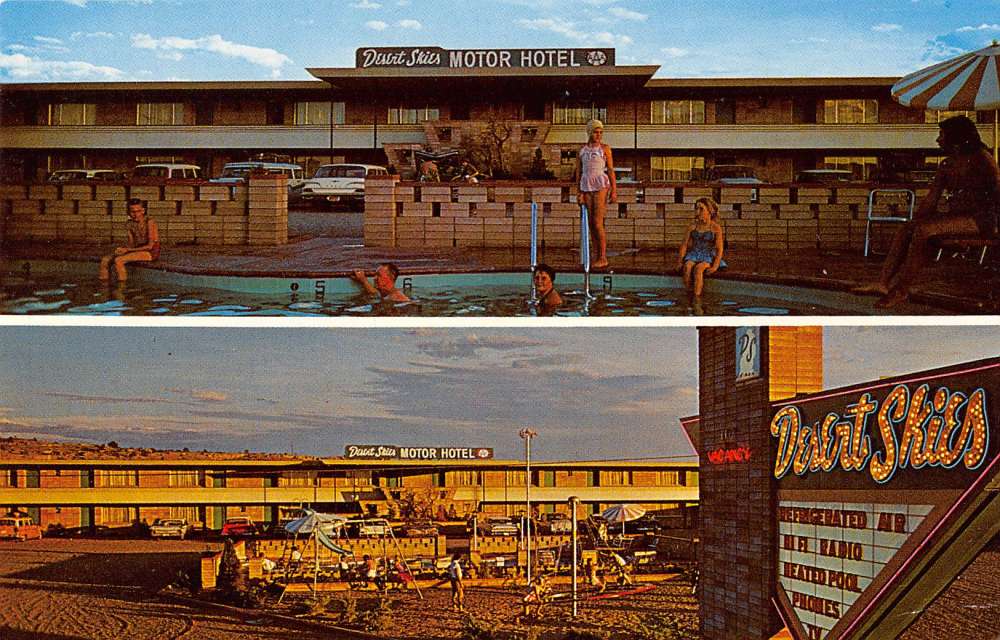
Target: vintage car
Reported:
point(824, 176)
point(420, 529)
point(733, 174)
point(169, 528)
point(556, 523)
point(340, 183)
point(166, 171)
point(237, 172)
point(373, 529)
point(239, 527)
point(85, 175)
point(500, 526)
point(19, 527)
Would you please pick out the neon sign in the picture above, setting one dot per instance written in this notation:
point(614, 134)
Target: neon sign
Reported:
point(915, 430)
point(724, 456)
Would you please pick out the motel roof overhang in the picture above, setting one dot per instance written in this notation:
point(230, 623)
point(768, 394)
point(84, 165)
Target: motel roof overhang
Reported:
point(513, 83)
point(334, 465)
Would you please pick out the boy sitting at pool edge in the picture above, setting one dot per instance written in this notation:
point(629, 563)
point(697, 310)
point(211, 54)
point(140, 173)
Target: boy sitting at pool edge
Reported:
point(143, 243)
point(701, 252)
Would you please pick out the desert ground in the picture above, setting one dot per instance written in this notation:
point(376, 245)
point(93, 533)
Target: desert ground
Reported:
point(56, 589)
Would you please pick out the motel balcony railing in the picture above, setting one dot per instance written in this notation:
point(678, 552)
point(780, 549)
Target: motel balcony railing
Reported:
point(760, 136)
point(209, 137)
point(286, 495)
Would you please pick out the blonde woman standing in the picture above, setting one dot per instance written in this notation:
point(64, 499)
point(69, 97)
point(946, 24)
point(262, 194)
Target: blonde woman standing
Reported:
point(596, 171)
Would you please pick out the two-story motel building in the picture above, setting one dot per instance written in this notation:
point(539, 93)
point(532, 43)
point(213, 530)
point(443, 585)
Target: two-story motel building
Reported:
point(397, 100)
point(82, 491)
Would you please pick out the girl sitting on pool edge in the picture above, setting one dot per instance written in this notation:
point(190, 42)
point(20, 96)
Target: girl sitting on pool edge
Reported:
point(143, 243)
point(701, 252)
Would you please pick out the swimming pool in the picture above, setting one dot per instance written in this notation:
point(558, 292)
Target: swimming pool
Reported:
point(52, 287)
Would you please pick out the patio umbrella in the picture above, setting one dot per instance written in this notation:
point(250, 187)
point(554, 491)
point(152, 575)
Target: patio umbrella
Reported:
point(970, 82)
point(623, 513)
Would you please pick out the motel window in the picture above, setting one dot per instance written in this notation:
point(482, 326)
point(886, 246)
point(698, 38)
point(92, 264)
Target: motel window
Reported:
point(578, 113)
point(298, 479)
point(933, 116)
point(616, 478)
point(183, 479)
point(861, 167)
point(318, 113)
point(691, 479)
point(116, 478)
point(850, 111)
point(72, 113)
point(159, 113)
point(669, 479)
point(413, 115)
point(677, 112)
point(188, 513)
point(516, 478)
point(8, 478)
point(676, 168)
point(462, 479)
point(115, 516)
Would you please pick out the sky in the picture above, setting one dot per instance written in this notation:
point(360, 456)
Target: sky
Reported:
point(590, 393)
point(147, 40)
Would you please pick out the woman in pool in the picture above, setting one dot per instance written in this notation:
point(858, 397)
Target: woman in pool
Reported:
point(970, 181)
point(596, 171)
point(143, 243)
point(547, 296)
point(701, 252)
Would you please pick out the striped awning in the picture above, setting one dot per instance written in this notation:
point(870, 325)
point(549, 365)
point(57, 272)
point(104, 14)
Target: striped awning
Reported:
point(969, 82)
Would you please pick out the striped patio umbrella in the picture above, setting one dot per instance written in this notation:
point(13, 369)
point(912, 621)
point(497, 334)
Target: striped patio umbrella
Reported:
point(970, 82)
point(623, 513)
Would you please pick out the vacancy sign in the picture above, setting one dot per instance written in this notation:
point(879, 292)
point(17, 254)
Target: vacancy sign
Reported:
point(876, 481)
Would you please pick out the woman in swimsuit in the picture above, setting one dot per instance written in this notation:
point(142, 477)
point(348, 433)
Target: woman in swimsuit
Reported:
point(143, 243)
point(970, 182)
point(596, 171)
point(701, 252)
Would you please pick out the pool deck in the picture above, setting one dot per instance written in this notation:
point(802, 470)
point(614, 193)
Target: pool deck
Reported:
point(956, 284)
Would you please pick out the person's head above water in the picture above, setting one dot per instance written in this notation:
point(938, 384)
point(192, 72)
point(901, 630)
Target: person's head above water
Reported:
point(385, 276)
point(544, 278)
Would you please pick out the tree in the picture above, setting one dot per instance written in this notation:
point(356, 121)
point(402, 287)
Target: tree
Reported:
point(230, 581)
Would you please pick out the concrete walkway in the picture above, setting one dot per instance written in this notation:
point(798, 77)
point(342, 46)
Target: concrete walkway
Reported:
point(318, 249)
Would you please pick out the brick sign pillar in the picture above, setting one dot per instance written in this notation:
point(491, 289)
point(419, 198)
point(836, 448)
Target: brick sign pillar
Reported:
point(737, 553)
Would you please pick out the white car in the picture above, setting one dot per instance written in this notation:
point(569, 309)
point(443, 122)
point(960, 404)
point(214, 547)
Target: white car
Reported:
point(169, 528)
point(90, 175)
point(237, 172)
point(167, 171)
point(341, 183)
point(501, 527)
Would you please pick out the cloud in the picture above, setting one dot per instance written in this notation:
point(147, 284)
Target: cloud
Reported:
point(260, 56)
point(366, 4)
point(568, 29)
point(674, 52)
point(173, 56)
point(626, 14)
point(410, 24)
point(76, 35)
point(104, 399)
point(886, 27)
point(376, 25)
point(209, 396)
point(468, 346)
point(982, 27)
point(46, 40)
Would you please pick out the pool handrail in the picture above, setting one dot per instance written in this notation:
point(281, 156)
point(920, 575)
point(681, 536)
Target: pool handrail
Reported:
point(585, 250)
point(534, 248)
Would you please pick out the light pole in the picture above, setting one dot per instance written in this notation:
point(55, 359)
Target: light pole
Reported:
point(573, 502)
point(527, 435)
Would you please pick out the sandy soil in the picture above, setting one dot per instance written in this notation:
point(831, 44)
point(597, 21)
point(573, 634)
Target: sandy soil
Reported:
point(62, 589)
point(59, 589)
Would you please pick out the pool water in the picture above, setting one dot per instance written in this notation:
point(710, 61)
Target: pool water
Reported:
point(41, 287)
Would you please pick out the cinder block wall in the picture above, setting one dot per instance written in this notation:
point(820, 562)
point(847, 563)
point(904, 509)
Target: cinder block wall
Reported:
point(189, 213)
point(647, 216)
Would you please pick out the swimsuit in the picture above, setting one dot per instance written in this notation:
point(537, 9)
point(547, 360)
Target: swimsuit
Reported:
point(702, 247)
point(593, 169)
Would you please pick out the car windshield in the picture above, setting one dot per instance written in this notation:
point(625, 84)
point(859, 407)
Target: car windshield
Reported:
point(340, 171)
point(733, 172)
point(151, 172)
point(69, 175)
point(235, 172)
point(173, 523)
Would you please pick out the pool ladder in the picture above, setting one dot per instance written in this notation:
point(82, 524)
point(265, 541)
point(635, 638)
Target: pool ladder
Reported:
point(584, 250)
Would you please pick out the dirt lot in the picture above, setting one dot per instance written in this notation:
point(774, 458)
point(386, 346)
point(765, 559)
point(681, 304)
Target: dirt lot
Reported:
point(54, 589)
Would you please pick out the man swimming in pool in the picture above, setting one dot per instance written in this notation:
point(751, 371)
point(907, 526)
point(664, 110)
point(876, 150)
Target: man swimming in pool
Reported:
point(384, 283)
